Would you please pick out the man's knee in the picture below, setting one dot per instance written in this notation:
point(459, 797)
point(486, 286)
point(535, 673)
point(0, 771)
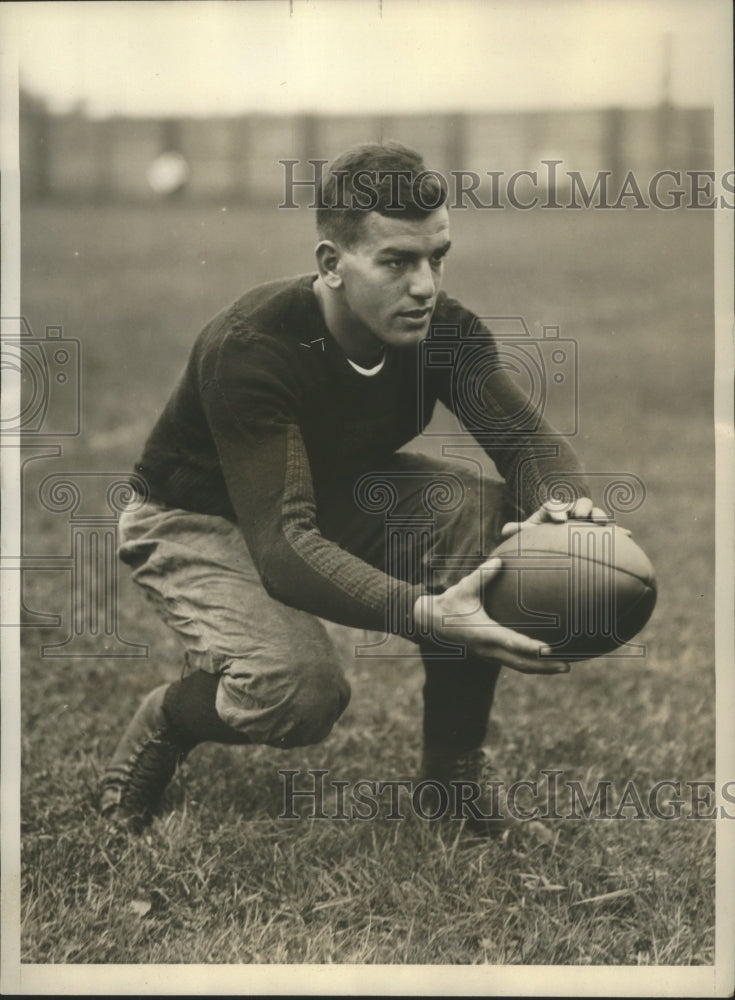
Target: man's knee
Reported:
point(487, 505)
point(288, 709)
point(313, 711)
point(468, 532)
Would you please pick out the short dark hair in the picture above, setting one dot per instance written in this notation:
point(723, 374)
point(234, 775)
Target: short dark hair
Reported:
point(388, 178)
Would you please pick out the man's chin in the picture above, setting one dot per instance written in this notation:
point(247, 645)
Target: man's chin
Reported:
point(409, 333)
point(407, 338)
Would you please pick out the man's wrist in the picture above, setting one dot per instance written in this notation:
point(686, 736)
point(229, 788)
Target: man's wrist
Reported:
point(422, 613)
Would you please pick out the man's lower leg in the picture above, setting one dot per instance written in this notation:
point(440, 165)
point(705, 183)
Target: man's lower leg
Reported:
point(171, 721)
point(458, 696)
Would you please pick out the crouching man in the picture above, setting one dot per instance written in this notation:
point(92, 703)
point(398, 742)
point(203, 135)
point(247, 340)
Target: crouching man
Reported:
point(295, 400)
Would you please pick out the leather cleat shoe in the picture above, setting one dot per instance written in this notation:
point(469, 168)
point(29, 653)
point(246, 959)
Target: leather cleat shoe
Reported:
point(462, 787)
point(143, 764)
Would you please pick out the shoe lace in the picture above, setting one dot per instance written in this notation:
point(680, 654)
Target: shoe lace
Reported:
point(470, 766)
point(149, 772)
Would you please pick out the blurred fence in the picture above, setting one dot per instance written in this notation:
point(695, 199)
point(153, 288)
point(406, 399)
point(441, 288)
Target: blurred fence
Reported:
point(74, 157)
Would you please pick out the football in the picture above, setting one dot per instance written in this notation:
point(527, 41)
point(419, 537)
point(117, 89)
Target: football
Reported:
point(584, 589)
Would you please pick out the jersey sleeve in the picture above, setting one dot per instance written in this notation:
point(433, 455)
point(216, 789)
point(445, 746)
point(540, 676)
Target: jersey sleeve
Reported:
point(251, 403)
point(534, 459)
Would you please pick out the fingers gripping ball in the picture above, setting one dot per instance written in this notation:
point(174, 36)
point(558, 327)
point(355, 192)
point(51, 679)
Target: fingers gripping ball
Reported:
point(583, 589)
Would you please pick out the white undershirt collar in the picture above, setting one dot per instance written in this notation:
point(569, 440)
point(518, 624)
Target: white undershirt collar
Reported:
point(368, 371)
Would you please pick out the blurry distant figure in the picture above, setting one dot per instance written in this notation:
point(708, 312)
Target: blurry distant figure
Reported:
point(168, 174)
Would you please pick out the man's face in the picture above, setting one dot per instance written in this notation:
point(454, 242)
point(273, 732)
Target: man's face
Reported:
point(391, 277)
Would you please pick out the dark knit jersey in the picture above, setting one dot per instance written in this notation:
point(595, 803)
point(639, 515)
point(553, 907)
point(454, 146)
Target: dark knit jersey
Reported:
point(269, 416)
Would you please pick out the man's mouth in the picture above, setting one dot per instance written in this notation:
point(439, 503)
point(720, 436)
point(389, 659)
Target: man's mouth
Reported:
point(417, 315)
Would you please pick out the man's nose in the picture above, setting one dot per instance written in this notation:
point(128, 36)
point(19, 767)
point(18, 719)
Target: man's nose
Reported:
point(422, 284)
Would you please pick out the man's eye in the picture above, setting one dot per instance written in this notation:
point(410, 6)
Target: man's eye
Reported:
point(438, 259)
point(394, 265)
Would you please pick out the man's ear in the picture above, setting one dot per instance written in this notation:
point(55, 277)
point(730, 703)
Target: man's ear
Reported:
point(328, 258)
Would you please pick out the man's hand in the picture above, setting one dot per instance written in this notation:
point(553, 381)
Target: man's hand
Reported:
point(458, 616)
point(558, 512)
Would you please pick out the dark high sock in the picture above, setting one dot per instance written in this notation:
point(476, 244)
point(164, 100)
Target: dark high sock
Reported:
point(188, 706)
point(458, 695)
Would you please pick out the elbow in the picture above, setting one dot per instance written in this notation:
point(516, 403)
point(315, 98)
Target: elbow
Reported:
point(276, 571)
point(280, 564)
point(274, 586)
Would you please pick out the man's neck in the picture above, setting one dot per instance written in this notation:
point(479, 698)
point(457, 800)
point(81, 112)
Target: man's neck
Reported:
point(357, 345)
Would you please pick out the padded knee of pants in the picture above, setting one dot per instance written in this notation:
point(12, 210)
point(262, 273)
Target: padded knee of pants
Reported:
point(283, 695)
point(312, 712)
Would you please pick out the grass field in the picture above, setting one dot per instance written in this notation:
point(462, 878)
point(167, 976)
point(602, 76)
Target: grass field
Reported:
point(220, 878)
